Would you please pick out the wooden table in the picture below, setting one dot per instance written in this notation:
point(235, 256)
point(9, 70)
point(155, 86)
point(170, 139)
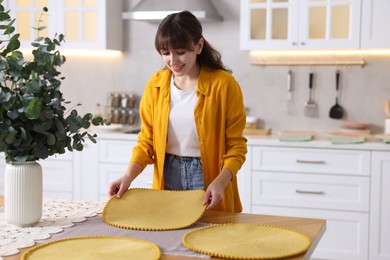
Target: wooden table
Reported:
point(314, 228)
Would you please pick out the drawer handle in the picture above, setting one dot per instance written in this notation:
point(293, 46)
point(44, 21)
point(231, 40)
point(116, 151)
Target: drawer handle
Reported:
point(310, 192)
point(313, 162)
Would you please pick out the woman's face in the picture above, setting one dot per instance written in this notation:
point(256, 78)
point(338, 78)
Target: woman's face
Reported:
point(182, 61)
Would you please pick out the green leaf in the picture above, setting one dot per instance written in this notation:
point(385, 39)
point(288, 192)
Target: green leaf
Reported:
point(9, 30)
point(33, 110)
point(47, 115)
point(61, 37)
point(11, 136)
point(42, 127)
point(12, 45)
point(4, 17)
point(20, 158)
point(13, 114)
point(35, 44)
point(92, 138)
point(73, 127)
point(41, 152)
point(11, 22)
point(39, 39)
point(51, 139)
point(17, 57)
point(60, 127)
point(6, 97)
point(23, 134)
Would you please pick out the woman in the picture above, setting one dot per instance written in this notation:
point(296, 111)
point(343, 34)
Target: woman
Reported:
point(193, 118)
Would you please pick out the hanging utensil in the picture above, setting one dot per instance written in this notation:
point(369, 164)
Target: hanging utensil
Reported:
point(289, 108)
point(386, 107)
point(311, 108)
point(337, 112)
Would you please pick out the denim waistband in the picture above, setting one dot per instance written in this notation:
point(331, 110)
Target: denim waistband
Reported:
point(183, 158)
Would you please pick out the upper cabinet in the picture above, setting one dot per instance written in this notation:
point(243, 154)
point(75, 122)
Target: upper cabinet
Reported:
point(375, 22)
point(86, 24)
point(304, 24)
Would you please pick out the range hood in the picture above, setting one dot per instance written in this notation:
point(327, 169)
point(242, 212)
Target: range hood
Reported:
point(156, 10)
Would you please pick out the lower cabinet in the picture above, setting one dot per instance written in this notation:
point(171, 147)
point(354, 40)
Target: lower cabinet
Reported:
point(331, 184)
point(346, 235)
point(244, 183)
point(380, 206)
point(58, 176)
point(106, 161)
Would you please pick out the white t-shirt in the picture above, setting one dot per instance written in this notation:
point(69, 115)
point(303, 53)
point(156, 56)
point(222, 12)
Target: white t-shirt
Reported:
point(182, 135)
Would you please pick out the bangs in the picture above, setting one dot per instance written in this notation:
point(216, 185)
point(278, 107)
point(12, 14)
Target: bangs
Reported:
point(173, 38)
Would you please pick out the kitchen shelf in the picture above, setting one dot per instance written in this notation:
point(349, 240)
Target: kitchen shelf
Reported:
point(361, 63)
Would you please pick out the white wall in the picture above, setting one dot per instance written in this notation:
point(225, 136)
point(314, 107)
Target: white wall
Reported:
point(89, 80)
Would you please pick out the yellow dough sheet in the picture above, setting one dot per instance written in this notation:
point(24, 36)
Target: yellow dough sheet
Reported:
point(148, 209)
point(246, 241)
point(94, 248)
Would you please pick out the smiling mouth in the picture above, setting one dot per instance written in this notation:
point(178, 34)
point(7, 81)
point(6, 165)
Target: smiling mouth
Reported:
point(177, 68)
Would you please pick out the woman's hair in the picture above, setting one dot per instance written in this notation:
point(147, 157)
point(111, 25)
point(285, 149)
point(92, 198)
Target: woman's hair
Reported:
point(183, 31)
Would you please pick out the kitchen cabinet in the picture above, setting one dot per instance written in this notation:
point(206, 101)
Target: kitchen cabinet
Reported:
point(244, 182)
point(106, 161)
point(92, 24)
point(114, 156)
point(375, 20)
point(380, 206)
point(296, 25)
point(29, 15)
point(319, 183)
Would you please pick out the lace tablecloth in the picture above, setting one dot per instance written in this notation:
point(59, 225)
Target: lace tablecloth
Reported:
point(57, 214)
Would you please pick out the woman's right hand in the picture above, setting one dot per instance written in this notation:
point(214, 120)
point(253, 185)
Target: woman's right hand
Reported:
point(119, 186)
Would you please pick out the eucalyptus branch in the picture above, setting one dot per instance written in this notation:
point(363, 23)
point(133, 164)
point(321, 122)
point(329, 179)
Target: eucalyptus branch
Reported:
point(35, 123)
point(39, 21)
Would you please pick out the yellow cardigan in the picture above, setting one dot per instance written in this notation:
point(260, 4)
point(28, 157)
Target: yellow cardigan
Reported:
point(220, 120)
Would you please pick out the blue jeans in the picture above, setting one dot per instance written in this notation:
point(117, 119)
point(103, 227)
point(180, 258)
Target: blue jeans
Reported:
point(183, 173)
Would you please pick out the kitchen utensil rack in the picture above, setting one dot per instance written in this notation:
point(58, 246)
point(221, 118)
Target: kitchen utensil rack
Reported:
point(361, 63)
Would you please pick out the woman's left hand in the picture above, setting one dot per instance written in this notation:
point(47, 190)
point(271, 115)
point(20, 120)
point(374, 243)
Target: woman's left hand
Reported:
point(215, 191)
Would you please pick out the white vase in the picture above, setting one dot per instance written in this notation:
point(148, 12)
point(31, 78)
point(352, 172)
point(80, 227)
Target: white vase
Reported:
point(23, 193)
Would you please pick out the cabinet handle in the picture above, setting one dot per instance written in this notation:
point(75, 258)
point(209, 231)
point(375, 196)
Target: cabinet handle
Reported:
point(310, 192)
point(308, 161)
point(303, 43)
point(294, 43)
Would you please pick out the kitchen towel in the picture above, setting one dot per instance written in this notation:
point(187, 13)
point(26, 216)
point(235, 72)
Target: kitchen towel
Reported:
point(347, 139)
point(295, 138)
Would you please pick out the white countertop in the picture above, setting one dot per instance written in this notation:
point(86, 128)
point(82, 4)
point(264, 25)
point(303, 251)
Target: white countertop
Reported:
point(320, 141)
